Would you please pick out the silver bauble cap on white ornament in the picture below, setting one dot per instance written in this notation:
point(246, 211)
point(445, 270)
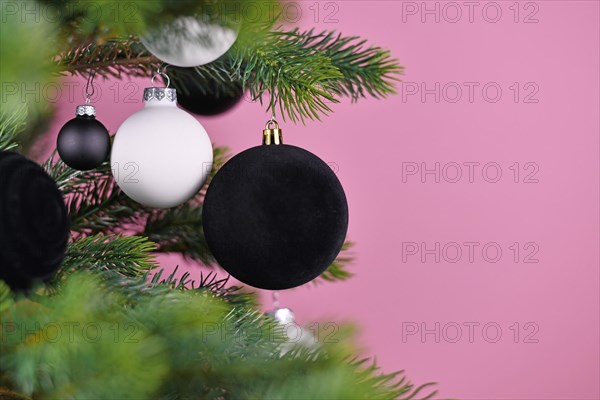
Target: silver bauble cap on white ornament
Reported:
point(160, 94)
point(85, 109)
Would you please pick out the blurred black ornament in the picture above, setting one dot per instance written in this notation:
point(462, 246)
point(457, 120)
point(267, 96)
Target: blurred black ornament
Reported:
point(34, 225)
point(204, 96)
point(83, 143)
point(275, 216)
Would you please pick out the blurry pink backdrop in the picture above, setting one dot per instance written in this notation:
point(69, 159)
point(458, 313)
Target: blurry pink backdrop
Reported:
point(486, 281)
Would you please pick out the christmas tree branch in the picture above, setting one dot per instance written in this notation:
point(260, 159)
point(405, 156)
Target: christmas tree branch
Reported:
point(114, 58)
point(210, 282)
point(306, 71)
point(366, 70)
point(180, 231)
point(168, 343)
point(123, 256)
point(94, 202)
point(10, 126)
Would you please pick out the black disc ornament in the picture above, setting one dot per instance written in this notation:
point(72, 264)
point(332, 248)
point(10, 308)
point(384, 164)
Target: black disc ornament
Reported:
point(275, 216)
point(205, 97)
point(83, 143)
point(34, 224)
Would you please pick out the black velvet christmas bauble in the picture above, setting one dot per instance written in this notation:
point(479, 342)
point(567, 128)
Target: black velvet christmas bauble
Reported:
point(275, 216)
point(206, 98)
point(34, 225)
point(83, 143)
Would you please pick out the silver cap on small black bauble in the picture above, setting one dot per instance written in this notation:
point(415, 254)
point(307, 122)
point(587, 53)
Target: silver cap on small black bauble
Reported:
point(85, 109)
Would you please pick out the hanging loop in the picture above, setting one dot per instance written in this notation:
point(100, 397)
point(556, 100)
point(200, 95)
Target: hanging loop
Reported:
point(89, 87)
point(162, 71)
point(274, 100)
point(275, 95)
point(271, 124)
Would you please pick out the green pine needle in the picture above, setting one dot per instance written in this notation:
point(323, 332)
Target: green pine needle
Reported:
point(10, 126)
point(125, 256)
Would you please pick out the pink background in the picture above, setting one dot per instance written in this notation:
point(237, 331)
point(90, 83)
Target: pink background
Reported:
point(556, 129)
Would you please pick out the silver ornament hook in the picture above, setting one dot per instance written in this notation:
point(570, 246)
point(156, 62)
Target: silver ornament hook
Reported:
point(162, 71)
point(89, 87)
point(275, 98)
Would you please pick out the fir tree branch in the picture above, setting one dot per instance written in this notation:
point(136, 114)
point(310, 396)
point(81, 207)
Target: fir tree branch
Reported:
point(209, 282)
point(114, 58)
point(392, 384)
point(10, 126)
point(94, 202)
point(124, 256)
point(366, 70)
point(166, 343)
point(299, 77)
point(179, 230)
point(305, 70)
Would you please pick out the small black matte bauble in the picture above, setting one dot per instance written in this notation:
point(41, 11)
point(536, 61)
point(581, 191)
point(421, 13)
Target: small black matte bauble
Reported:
point(34, 225)
point(205, 97)
point(83, 143)
point(275, 216)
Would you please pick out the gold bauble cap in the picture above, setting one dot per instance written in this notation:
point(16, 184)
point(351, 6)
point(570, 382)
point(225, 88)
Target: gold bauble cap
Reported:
point(272, 134)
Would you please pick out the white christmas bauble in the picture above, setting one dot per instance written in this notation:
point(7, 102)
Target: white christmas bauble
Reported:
point(189, 42)
point(161, 155)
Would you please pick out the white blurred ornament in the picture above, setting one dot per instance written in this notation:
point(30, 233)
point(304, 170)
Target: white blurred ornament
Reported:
point(161, 155)
point(296, 336)
point(189, 42)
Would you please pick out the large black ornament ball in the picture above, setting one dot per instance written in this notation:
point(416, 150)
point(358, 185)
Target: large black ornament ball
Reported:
point(83, 143)
point(34, 225)
point(206, 97)
point(275, 216)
